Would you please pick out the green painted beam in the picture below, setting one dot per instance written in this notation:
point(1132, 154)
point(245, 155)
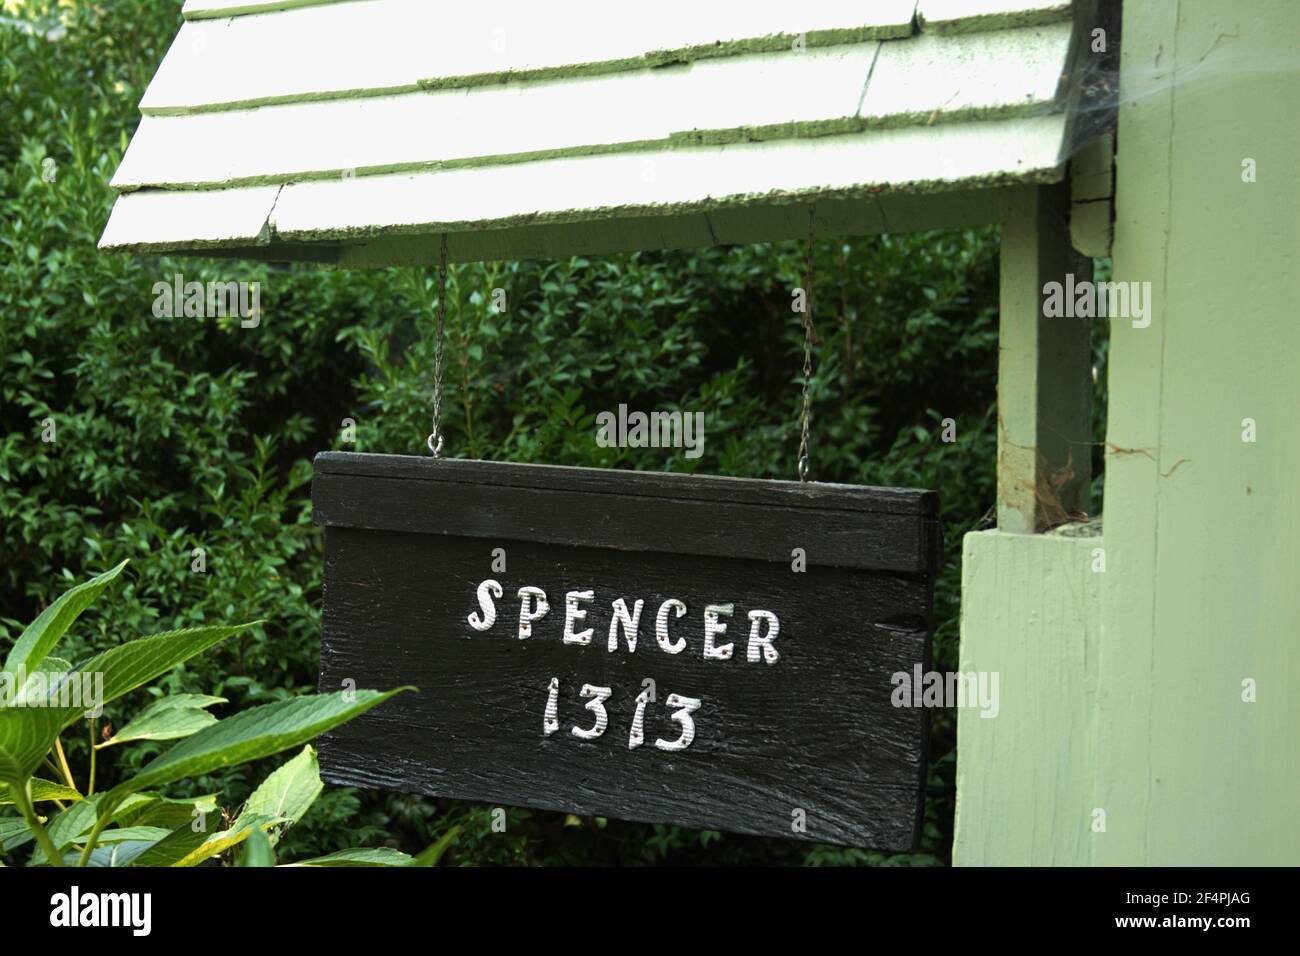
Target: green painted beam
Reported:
point(1203, 527)
point(1159, 700)
point(1031, 615)
point(1044, 370)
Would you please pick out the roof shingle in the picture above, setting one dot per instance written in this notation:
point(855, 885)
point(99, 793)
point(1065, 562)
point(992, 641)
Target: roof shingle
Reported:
point(314, 129)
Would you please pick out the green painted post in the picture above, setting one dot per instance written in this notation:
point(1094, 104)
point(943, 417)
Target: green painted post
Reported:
point(1150, 698)
point(1044, 369)
point(1199, 703)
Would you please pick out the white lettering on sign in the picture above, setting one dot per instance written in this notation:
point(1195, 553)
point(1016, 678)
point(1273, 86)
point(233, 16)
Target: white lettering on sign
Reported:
point(550, 719)
point(572, 615)
point(486, 592)
point(661, 626)
point(762, 644)
point(688, 706)
point(637, 735)
point(526, 612)
point(713, 627)
point(764, 629)
point(629, 623)
point(597, 706)
point(764, 626)
point(596, 697)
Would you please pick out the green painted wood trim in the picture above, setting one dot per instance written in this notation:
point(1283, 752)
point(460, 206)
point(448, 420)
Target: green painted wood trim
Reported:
point(1092, 195)
point(1044, 370)
point(1031, 614)
point(1203, 528)
point(893, 213)
point(947, 17)
point(217, 9)
point(1150, 722)
point(812, 130)
point(774, 43)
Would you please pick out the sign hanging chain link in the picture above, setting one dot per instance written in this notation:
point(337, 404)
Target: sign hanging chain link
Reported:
point(435, 441)
point(436, 438)
point(809, 337)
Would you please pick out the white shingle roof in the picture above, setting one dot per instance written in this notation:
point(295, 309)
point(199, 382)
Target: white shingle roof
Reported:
point(356, 131)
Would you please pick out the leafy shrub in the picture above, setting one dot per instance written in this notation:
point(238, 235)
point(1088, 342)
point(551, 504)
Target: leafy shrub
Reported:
point(133, 823)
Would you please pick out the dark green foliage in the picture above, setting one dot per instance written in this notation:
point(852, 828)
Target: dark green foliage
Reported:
point(175, 434)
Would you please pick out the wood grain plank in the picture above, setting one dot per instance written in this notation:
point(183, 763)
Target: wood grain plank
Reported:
point(731, 98)
point(966, 16)
point(368, 47)
point(877, 529)
point(814, 732)
point(677, 182)
point(893, 212)
point(717, 488)
point(931, 78)
point(164, 219)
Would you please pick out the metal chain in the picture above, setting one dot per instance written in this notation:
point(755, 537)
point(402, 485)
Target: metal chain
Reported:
point(436, 438)
point(808, 337)
point(435, 441)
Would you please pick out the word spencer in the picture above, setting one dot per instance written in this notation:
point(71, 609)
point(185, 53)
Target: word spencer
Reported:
point(764, 626)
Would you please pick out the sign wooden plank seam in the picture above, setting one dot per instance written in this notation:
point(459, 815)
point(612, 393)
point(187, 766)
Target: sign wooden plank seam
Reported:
point(650, 484)
point(876, 542)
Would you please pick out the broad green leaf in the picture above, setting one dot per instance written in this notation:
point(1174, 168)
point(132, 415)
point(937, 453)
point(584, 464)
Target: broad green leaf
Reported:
point(173, 848)
point(123, 853)
point(73, 825)
point(184, 701)
point(47, 790)
point(287, 793)
point(257, 850)
point(136, 663)
point(45, 632)
point(168, 718)
point(40, 680)
point(252, 735)
point(14, 833)
point(42, 791)
point(37, 685)
point(155, 810)
point(28, 733)
point(433, 853)
point(282, 798)
point(127, 834)
point(379, 856)
point(66, 826)
point(186, 847)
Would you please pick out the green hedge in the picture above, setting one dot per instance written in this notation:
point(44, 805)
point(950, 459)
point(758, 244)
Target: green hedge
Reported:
point(175, 434)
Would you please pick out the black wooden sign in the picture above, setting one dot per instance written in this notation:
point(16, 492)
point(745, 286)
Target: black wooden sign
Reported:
point(710, 652)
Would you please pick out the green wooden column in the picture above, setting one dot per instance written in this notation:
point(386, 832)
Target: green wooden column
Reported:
point(1031, 601)
point(1199, 679)
point(1150, 692)
point(1044, 369)
point(1031, 613)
